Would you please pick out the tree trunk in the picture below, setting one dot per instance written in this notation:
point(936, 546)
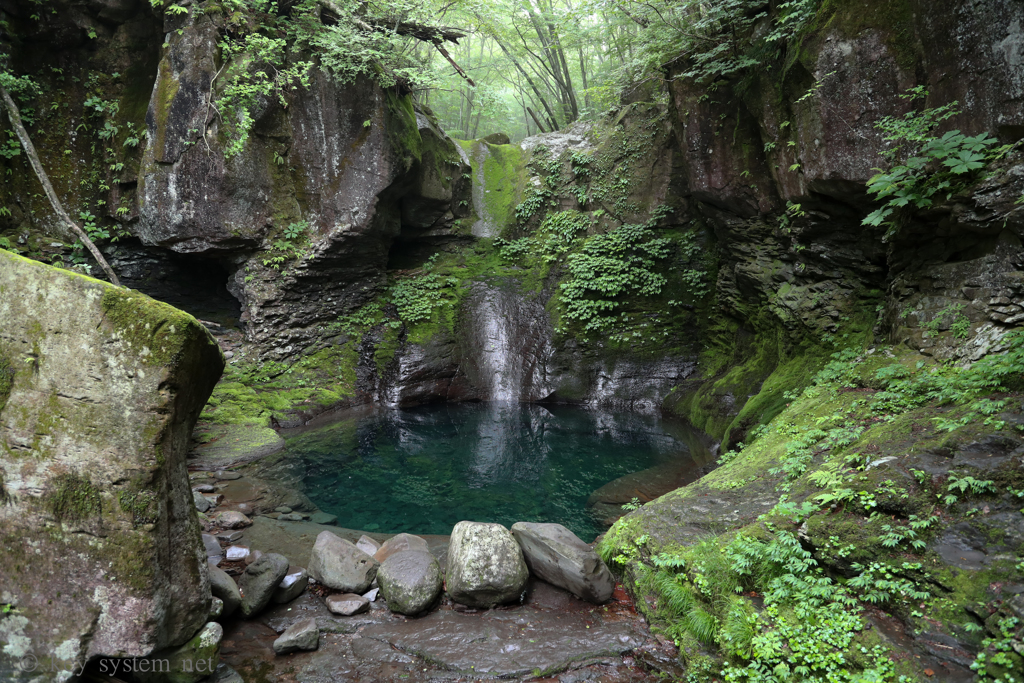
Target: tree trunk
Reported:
point(535, 120)
point(533, 86)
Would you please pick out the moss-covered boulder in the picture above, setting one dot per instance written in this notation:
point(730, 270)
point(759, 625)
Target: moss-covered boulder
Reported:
point(873, 503)
point(101, 387)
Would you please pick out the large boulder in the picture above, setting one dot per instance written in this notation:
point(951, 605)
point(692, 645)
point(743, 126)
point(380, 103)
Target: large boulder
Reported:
point(100, 388)
point(397, 544)
point(224, 587)
point(260, 580)
point(556, 555)
point(340, 565)
point(410, 581)
point(485, 565)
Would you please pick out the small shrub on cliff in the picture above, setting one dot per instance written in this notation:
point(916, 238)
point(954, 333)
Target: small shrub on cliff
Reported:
point(931, 166)
point(620, 262)
point(416, 298)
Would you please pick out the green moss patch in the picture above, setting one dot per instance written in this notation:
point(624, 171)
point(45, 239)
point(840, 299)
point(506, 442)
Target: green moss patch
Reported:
point(6, 380)
point(73, 499)
point(850, 528)
point(893, 19)
point(503, 181)
point(156, 331)
point(255, 393)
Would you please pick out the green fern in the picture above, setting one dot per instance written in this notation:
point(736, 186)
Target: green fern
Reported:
point(737, 633)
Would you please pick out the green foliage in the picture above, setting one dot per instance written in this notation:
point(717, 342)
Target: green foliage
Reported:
point(408, 300)
point(348, 50)
point(269, 51)
point(22, 87)
point(633, 504)
point(295, 230)
point(557, 234)
point(953, 317)
point(716, 38)
point(516, 249)
point(894, 536)
point(967, 483)
point(1000, 657)
point(532, 203)
point(416, 298)
point(619, 262)
point(10, 147)
point(930, 165)
point(258, 68)
point(286, 248)
point(904, 388)
point(808, 623)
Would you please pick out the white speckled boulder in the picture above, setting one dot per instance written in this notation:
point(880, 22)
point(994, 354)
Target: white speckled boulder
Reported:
point(485, 565)
point(410, 581)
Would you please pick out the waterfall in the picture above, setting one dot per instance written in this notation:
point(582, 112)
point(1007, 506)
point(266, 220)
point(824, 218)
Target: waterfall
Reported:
point(485, 225)
point(508, 340)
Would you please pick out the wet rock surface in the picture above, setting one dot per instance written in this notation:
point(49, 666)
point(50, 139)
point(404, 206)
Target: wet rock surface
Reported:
point(606, 502)
point(559, 557)
point(553, 634)
point(223, 446)
point(410, 581)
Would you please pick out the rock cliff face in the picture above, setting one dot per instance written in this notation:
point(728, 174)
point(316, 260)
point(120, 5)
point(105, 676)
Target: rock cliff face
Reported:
point(352, 164)
point(367, 187)
point(99, 391)
point(775, 165)
point(803, 133)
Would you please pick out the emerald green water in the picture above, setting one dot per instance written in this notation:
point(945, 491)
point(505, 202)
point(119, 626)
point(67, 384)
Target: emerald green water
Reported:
point(425, 469)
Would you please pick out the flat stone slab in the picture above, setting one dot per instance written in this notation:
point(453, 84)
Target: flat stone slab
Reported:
point(550, 632)
point(223, 446)
point(506, 643)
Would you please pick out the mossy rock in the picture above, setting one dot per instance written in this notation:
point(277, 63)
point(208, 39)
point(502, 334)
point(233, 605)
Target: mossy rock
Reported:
point(224, 446)
point(93, 436)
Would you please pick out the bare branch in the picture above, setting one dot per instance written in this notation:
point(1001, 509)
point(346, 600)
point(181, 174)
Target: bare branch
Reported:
point(44, 180)
point(429, 34)
point(440, 48)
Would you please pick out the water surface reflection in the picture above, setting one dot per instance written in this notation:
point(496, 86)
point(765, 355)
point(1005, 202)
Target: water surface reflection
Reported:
point(423, 470)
